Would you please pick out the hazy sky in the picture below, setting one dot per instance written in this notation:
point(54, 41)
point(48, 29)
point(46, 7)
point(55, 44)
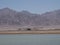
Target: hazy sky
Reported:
point(34, 6)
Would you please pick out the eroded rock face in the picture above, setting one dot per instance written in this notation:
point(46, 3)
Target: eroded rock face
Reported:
point(25, 18)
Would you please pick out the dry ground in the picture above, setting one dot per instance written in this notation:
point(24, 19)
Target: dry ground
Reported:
point(30, 32)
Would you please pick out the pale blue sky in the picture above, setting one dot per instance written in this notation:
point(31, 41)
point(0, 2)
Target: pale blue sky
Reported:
point(34, 6)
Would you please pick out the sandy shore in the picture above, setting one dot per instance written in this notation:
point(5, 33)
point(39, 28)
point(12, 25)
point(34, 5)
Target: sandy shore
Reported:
point(29, 32)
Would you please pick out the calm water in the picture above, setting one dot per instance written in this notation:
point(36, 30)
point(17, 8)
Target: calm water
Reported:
point(30, 39)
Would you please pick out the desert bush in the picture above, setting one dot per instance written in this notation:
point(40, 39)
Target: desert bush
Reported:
point(56, 29)
point(28, 29)
point(19, 29)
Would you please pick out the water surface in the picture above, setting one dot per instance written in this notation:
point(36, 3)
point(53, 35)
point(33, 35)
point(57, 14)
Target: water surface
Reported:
point(30, 39)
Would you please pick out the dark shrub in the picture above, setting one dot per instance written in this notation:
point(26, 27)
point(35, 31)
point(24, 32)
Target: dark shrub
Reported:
point(28, 29)
point(19, 29)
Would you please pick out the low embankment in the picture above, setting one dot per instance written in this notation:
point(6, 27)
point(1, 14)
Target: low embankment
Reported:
point(29, 32)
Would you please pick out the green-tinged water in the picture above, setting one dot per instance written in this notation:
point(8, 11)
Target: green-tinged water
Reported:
point(30, 39)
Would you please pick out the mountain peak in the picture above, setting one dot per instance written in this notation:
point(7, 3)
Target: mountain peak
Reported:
point(25, 12)
point(6, 8)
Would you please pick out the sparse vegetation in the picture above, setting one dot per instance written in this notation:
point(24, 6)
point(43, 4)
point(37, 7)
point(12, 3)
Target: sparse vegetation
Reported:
point(56, 29)
point(28, 29)
point(19, 29)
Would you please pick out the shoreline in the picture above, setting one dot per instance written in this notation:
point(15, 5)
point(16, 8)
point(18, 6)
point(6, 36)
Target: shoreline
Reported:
point(30, 32)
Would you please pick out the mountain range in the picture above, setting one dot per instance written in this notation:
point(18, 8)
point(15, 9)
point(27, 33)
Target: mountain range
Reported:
point(25, 18)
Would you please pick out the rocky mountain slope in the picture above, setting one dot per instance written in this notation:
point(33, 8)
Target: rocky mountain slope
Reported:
point(25, 18)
